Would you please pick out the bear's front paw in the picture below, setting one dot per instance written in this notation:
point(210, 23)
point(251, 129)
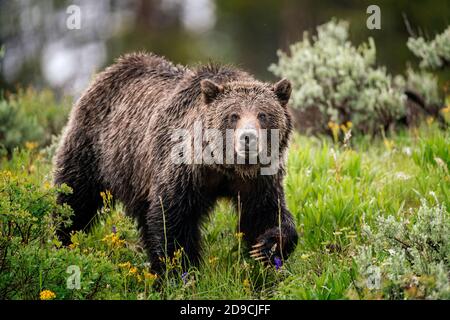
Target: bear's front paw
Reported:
point(273, 246)
point(267, 248)
point(264, 252)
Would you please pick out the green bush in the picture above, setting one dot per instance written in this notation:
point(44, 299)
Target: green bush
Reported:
point(434, 54)
point(31, 116)
point(425, 84)
point(327, 72)
point(407, 257)
point(16, 127)
point(34, 265)
point(29, 217)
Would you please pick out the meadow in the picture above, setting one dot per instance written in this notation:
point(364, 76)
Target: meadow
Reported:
point(373, 214)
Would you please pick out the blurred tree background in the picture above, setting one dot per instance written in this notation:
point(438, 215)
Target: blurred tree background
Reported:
point(40, 50)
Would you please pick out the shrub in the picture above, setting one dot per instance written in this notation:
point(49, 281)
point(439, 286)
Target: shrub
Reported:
point(29, 216)
point(31, 116)
point(327, 72)
point(425, 84)
point(424, 97)
point(16, 127)
point(407, 257)
point(34, 265)
point(434, 54)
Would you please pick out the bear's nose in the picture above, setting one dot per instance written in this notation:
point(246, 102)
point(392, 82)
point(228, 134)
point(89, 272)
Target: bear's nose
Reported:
point(248, 140)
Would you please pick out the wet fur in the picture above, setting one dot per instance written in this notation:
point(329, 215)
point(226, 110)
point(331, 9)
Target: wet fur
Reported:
point(118, 139)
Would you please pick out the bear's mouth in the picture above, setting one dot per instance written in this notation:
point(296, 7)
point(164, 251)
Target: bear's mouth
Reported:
point(247, 158)
point(248, 154)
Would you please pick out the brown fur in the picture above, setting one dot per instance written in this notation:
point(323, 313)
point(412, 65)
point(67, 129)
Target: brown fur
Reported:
point(118, 139)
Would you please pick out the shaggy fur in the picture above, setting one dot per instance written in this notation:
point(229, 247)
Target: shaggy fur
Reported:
point(118, 138)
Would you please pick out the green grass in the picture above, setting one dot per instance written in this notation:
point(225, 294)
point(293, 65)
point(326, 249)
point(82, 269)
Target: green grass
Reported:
point(332, 190)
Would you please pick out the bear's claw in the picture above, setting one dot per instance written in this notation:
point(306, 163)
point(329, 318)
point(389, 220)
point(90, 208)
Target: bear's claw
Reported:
point(259, 244)
point(263, 251)
point(257, 253)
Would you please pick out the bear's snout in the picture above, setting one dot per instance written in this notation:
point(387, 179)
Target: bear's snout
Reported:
point(247, 141)
point(247, 137)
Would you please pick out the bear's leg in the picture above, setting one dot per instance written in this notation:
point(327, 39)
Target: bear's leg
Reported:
point(267, 224)
point(77, 170)
point(171, 225)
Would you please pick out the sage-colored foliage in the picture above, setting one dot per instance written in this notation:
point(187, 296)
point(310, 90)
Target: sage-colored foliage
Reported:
point(343, 81)
point(411, 252)
point(434, 54)
point(424, 83)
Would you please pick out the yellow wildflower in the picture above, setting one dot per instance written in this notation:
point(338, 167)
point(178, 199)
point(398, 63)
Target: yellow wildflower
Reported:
point(73, 245)
point(150, 276)
point(30, 145)
point(107, 199)
point(47, 295)
point(125, 265)
point(176, 258)
point(7, 173)
point(213, 260)
point(133, 270)
point(332, 125)
point(446, 111)
point(345, 127)
point(239, 235)
point(113, 240)
point(389, 144)
point(178, 253)
point(335, 128)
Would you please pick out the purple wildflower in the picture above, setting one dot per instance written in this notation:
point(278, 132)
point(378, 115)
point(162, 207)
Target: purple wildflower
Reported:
point(278, 263)
point(184, 277)
point(114, 229)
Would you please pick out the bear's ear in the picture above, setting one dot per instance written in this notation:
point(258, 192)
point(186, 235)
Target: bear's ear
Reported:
point(210, 90)
point(282, 90)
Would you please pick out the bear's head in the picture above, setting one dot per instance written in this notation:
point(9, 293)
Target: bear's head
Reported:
point(253, 120)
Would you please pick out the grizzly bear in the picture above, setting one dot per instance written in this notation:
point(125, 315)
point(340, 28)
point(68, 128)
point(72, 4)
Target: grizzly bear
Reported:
point(119, 137)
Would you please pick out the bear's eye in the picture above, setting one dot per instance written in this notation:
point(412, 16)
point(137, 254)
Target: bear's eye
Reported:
point(234, 117)
point(262, 116)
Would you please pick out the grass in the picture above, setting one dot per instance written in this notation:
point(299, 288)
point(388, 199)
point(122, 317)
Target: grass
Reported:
point(332, 190)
